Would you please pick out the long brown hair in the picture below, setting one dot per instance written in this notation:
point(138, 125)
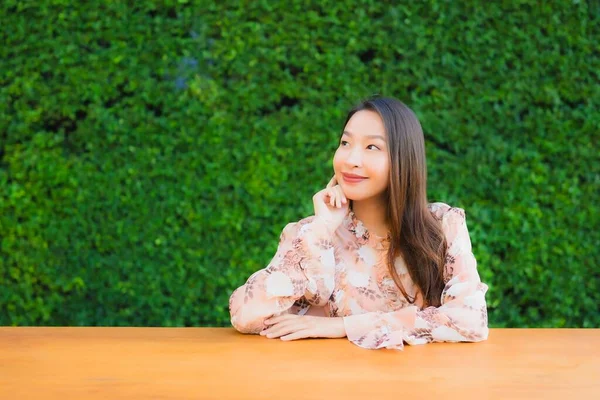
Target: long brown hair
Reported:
point(416, 234)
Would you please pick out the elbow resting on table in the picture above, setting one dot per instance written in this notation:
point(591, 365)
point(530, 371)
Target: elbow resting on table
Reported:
point(247, 325)
point(458, 333)
point(482, 330)
point(472, 327)
point(241, 316)
point(478, 330)
point(480, 334)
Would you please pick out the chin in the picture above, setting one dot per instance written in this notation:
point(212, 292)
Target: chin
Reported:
point(356, 194)
point(355, 197)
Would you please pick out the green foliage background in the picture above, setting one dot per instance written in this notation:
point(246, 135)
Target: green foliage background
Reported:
point(151, 154)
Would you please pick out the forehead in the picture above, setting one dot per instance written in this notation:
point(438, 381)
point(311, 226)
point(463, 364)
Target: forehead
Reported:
point(365, 123)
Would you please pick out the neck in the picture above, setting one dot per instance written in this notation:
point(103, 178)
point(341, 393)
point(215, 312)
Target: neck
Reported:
point(372, 214)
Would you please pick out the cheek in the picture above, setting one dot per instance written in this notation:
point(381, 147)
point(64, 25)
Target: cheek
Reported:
point(379, 166)
point(380, 171)
point(337, 161)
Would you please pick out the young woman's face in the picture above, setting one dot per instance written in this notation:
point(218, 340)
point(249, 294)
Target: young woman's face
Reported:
point(363, 151)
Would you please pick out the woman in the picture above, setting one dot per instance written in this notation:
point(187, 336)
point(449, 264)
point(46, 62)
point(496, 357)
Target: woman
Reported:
point(377, 263)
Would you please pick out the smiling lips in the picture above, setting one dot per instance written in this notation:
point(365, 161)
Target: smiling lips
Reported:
point(352, 178)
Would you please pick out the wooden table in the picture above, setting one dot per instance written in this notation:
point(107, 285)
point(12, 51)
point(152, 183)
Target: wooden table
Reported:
point(219, 363)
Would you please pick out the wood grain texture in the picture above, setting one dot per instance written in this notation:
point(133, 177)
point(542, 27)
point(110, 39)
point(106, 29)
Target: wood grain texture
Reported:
point(219, 363)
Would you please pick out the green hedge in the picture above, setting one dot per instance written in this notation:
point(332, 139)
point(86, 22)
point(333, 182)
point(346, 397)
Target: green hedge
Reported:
point(150, 155)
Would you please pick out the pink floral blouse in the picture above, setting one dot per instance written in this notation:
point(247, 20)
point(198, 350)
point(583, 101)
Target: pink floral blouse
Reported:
point(346, 273)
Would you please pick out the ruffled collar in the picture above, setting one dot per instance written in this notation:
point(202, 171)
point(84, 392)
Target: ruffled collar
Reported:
point(359, 230)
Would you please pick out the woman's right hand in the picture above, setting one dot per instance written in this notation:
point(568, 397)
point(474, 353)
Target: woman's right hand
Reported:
point(331, 205)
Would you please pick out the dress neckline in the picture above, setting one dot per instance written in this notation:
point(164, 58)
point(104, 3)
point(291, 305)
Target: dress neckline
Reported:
point(357, 227)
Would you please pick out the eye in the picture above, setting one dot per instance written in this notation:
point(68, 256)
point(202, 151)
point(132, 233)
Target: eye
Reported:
point(343, 141)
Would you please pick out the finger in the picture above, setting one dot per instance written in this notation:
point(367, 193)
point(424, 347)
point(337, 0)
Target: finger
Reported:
point(326, 196)
point(279, 325)
point(333, 197)
point(342, 195)
point(332, 182)
point(282, 329)
point(302, 334)
point(279, 318)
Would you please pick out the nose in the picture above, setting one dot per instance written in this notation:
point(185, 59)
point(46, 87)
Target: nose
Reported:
point(354, 157)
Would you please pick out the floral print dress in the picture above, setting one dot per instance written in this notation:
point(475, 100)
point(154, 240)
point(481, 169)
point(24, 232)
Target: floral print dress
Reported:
point(346, 273)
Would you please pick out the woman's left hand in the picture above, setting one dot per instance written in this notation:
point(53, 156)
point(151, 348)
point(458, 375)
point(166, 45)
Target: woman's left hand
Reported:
point(292, 326)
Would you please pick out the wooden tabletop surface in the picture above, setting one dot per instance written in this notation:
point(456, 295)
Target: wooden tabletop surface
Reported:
point(219, 363)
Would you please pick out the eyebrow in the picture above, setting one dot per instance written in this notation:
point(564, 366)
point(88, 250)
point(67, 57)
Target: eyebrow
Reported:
point(369, 136)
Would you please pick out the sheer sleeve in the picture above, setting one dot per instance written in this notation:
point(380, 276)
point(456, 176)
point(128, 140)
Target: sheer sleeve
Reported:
point(303, 266)
point(462, 316)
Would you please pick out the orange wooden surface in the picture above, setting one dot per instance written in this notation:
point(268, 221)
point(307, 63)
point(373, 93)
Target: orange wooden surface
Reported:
point(219, 363)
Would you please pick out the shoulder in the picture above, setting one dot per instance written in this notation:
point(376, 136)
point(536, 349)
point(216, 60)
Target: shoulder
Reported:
point(454, 225)
point(449, 215)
